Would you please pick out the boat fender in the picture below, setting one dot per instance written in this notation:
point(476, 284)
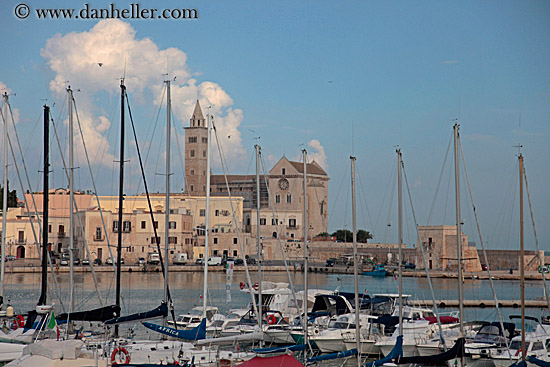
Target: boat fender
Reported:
point(241, 285)
point(256, 286)
point(271, 319)
point(18, 322)
point(120, 355)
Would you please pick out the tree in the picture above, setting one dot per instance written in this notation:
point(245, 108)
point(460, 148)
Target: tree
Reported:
point(12, 197)
point(363, 236)
point(345, 235)
point(323, 234)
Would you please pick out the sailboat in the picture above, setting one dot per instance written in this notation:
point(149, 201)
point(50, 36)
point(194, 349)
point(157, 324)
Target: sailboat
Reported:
point(534, 345)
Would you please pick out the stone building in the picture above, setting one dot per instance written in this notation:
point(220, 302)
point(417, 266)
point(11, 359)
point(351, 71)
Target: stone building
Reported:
point(284, 188)
point(440, 249)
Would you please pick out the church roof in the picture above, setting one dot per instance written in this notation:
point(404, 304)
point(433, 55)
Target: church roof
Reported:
point(197, 113)
point(312, 168)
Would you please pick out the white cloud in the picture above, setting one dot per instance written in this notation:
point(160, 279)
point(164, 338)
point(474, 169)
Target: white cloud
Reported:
point(318, 153)
point(94, 60)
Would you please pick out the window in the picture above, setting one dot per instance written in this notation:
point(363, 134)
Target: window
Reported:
point(277, 199)
point(262, 221)
point(156, 224)
point(172, 240)
point(98, 234)
point(289, 198)
point(115, 226)
point(215, 252)
point(204, 153)
point(205, 140)
point(292, 223)
point(247, 221)
point(127, 226)
point(284, 171)
point(215, 240)
point(234, 240)
point(192, 153)
point(171, 225)
point(49, 228)
point(274, 221)
point(192, 172)
point(192, 139)
point(153, 242)
point(235, 253)
point(192, 188)
point(217, 213)
point(143, 224)
point(61, 229)
point(202, 212)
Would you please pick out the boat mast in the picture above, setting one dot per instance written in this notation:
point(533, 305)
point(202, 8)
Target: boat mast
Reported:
point(355, 264)
point(260, 301)
point(306, 227)
point(45, 205)
point(521, 258)
point(120, 196)
point(207, 230)
point(71, 196)
point(167, 204)
point(458, 233)
point(400, 235)
point(5, 198)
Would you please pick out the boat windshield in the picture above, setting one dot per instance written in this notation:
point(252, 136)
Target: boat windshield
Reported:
point(516, 345)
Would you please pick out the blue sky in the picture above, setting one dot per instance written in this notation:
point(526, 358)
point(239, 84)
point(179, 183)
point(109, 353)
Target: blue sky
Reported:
point(361, 76)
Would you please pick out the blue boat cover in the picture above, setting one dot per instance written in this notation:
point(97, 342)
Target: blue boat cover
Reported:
point(196, 333)
point(283, 349)
point(538, 362)
point(326, 357)
point(396, 352)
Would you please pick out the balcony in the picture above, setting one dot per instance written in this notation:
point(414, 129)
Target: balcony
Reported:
point(292, 227)
point(99, 238)
point(61, 234)
point(21, 241)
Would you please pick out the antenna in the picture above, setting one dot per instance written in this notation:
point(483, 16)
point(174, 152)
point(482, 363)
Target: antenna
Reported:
point(519, 146)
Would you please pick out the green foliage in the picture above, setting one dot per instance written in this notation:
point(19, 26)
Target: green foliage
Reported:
point(12, 197)
point(345, 235)
point(323, 234)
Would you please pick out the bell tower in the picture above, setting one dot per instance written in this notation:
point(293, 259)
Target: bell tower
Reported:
point(196, 150)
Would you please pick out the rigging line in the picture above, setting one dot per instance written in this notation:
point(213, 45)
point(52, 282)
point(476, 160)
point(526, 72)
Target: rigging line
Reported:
point(432, 209)
point(337, 195)
point(181, 159)
point(157, 238)
point(481, 242)
point(447, 196)
point(541, 260)
point(247, 273)
point(98, 203)
point(33, 200)
point(152, 131)
point(365, 199)
point(421, 246)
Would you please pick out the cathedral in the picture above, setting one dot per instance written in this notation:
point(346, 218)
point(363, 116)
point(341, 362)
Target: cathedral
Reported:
point(284, 189)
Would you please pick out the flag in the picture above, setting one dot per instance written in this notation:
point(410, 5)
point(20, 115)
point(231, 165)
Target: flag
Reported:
point(52, 324)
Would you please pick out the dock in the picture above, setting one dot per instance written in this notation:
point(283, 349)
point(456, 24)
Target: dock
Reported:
point(482, 303)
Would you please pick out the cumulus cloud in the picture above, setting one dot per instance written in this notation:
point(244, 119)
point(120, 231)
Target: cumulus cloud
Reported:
point(318, 153)
point(315, 153)
point(94, 60)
